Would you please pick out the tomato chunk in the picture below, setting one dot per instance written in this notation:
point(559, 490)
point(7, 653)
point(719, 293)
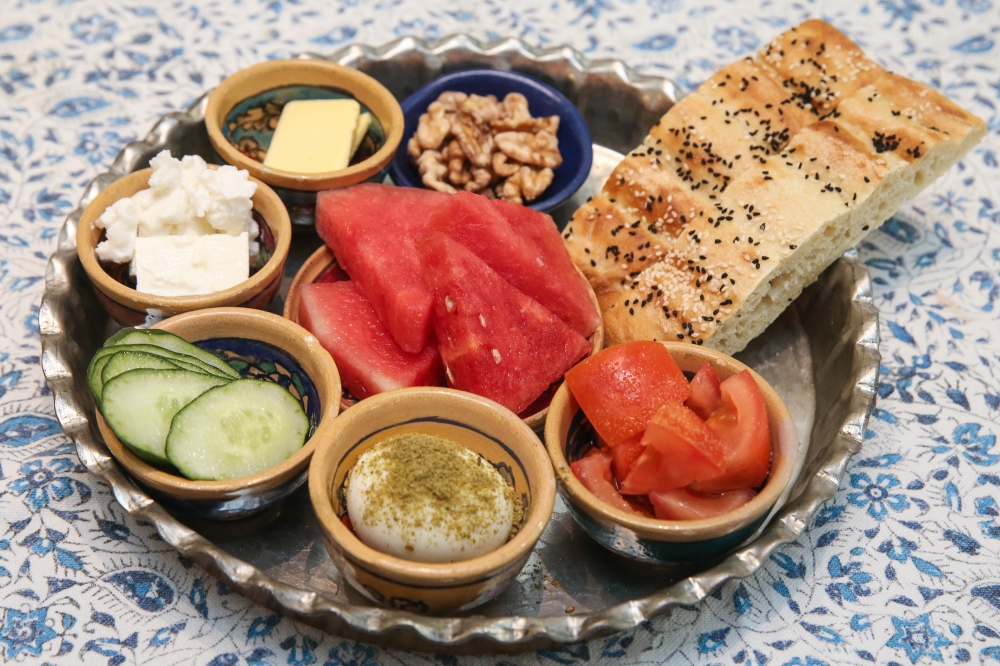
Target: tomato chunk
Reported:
point(706, 396)
point(594, 472)
point(680, 449)
point(624, 455)
point(683, 504)
point(741, 424)
point(620, 388)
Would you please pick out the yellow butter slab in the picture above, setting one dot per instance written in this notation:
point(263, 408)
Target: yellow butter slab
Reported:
point(314, 136)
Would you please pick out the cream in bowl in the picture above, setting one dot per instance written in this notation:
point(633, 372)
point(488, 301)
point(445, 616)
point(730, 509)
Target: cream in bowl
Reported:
point(429, 499)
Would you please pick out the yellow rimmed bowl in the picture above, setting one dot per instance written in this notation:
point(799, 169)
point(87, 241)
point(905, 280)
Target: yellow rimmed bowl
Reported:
point(477, 423)
point(322, 266)
point(259, 345)
point(129, 307)
point(569, 437)
point(243, 111)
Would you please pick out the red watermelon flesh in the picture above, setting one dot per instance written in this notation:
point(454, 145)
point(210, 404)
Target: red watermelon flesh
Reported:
point(474, 222)
point(368, 358)
point(494, 340)
point(371, 230)
point(542, 231)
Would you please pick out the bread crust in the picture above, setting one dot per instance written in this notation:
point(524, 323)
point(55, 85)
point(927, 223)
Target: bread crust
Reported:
point(747, 189)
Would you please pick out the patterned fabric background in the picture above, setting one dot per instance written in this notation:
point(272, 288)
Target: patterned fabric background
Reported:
point(901, 568)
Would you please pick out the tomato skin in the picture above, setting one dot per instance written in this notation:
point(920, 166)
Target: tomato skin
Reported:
point(683, 504)
point(594, 472)
point(621, 388)
point(680, 449)
point(706, 394)
point(624, 455)
point(741, 425)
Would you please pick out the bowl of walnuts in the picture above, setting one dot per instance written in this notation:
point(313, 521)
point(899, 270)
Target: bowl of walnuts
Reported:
point(498, 133)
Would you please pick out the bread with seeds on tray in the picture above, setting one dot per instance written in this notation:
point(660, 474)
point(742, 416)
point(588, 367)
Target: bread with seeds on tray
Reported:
point(750, 186)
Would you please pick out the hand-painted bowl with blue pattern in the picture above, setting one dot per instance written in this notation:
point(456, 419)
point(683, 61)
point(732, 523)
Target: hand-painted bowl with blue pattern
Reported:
point(242, 114)
point(574, 138)
point(262, 346)
point(483, 426)
point(569, 437)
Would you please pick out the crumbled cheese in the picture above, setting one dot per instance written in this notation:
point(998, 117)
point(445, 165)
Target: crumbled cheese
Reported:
point(185, 198)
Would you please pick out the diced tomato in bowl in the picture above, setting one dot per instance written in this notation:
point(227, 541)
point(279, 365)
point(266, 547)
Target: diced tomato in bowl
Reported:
point(697, 472)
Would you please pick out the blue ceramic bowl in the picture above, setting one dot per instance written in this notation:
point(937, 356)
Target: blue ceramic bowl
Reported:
point(574, 138)
point(569, 437)
point(258, 345)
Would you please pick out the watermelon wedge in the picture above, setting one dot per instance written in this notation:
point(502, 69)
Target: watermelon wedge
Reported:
point(539, 228)
point(368, 358)
point(477, 224)
point(371, 229)
point(494, 340)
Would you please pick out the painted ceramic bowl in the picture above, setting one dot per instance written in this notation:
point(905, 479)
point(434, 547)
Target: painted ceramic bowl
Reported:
point(321, 266)
point(129, 307)
point(263, 346)
point(569, 436)
point(243, 111)
point(543, 100)
point(477, 423)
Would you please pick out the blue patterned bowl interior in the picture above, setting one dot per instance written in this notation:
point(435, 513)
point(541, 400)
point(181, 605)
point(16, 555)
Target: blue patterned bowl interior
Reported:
point(254, 359)
point(249, 126)
point(574, 137)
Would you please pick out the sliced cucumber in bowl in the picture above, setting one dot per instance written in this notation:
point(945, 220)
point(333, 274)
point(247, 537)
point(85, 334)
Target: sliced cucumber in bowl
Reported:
point(140, 404)
point(171, 342)
point(236, 430)
point(124, 361)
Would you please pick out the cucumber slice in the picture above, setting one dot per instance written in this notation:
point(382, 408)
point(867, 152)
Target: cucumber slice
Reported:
point(149, 336)
point(124, 361)
point(139, 405)
point(236, 430)
point(182, 361)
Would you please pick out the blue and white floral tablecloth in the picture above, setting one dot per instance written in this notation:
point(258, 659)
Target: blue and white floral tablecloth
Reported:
point(901, 568)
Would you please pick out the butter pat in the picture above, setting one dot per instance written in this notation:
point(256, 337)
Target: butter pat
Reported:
point(190, 265)
point(314, 136)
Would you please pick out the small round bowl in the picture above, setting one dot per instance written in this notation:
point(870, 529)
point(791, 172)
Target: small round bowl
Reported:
point(574, 138)
point(322, 266)
point(260, 345)
point(569, 436)
point(245, 107)
point(130, 307)
point(477, 423)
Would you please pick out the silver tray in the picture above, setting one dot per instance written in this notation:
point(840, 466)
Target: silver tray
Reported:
point(821, 355)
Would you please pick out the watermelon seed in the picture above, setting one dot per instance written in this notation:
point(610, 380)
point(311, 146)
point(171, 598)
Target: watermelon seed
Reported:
point(482, 320)
point(496, 356)
point(449, 304)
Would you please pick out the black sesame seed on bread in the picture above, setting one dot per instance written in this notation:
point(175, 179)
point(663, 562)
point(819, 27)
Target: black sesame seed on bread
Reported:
point(749, 187)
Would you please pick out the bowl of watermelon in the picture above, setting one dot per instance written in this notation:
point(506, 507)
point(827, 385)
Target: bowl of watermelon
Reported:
point(409, 290)
point(668, 452)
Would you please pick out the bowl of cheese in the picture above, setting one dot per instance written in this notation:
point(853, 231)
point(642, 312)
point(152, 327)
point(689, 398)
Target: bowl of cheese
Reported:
point(183, 235)
point(303, 126)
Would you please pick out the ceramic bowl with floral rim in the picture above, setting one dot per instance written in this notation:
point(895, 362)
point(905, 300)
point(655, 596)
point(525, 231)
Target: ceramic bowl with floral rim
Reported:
point(322, 266)
point(258, 345)
point(243, 111)
point(478, 424)
point(115, 289)
point(569, 437)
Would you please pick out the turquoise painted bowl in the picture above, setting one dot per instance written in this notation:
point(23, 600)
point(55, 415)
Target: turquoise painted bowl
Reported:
point(569, 437)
